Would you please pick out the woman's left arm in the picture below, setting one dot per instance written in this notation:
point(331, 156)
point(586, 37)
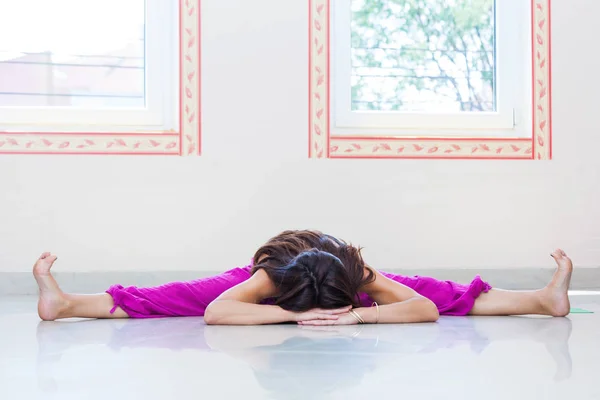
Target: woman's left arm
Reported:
point(397, 303)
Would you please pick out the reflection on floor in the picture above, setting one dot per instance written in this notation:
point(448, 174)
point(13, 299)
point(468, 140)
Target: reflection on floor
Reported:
point(462, 358)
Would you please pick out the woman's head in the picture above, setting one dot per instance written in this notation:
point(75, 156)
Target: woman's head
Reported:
point(313, 270)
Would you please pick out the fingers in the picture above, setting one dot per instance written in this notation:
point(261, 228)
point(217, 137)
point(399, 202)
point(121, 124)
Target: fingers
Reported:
point(317, 322)
point(323, 317)
point(45, 254)
point(333, 312)
point(321, 314)
point(313, 316)
point(343, 310)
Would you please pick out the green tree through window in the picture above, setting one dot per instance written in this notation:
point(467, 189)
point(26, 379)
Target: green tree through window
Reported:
point(423, 55)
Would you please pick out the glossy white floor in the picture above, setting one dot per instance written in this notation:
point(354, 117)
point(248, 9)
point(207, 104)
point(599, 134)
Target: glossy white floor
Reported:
point(456, 358)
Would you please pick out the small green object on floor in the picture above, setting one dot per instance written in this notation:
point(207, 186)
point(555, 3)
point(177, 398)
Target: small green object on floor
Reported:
point(580, 311)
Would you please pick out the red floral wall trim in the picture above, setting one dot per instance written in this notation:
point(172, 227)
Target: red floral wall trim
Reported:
point(322, 144)
point(186, 141)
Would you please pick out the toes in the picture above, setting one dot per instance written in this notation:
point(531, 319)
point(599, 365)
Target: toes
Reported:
point(44, 255)
point(558, 253)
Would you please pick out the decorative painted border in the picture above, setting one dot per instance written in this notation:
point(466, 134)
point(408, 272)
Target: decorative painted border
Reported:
point(322, 144)
point(186, 142)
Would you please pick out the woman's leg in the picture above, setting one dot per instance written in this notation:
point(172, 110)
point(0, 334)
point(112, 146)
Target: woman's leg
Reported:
point(479, 298)
point(171, 300)
point(54, 304)
point(552, 300)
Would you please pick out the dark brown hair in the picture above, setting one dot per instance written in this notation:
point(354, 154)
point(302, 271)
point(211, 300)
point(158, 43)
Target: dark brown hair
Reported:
point(313, 270)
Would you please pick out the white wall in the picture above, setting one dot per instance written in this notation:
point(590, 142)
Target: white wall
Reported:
point(210, 213)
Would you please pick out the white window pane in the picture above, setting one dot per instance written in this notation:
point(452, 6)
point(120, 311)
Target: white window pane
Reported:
point(73, 53)
point(434, 56)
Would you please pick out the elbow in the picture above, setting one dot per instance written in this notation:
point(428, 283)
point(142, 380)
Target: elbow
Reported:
point(434, 314)
point(430, 311)
point(211, 317)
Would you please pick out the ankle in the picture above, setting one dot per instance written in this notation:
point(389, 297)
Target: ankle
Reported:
point(66, 308)
point(554, 303)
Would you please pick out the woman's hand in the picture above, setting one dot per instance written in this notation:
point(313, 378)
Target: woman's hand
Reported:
point(321, 315)
point(344, 318)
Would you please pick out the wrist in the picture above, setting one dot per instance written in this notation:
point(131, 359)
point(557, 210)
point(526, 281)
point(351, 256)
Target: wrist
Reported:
point(288, 316)
point(368, 314)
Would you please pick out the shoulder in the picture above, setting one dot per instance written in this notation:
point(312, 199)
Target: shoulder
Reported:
point(376, 282)
point(373, 280)
point(262, 283)
point(253, 290)
point(385, 290)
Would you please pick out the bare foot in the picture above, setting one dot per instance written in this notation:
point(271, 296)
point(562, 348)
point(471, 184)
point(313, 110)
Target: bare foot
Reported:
point(52, 301)
point(555, 295)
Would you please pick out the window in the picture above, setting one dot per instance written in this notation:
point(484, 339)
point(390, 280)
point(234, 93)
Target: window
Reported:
point(45, 65)
point(95, 76)
point(430, 57)
point(430, 78)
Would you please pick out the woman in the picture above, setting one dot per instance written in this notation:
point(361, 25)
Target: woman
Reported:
point(309, 278)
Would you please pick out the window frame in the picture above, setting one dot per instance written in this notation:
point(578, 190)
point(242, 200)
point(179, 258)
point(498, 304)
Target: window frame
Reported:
point(329, 139)
point(170, 124)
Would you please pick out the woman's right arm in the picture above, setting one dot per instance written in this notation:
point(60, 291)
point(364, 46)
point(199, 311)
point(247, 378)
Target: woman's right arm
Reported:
point(239, 306)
